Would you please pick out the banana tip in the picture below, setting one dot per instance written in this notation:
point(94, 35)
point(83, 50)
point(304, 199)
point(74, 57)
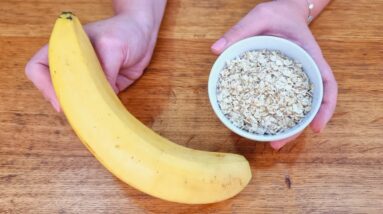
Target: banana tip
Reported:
point(66, 15)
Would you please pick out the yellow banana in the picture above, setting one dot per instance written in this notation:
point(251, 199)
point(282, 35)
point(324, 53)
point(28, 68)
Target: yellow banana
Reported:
point(126, 147)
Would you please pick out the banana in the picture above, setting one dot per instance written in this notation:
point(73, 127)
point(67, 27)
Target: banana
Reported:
point(126, 147)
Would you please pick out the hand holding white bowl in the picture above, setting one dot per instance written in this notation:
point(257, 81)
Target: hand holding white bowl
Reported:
point(287, 19)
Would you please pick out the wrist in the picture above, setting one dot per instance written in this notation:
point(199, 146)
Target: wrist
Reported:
point(146, 13)
point(147, 10)
point(298, 7)
point(303, 7)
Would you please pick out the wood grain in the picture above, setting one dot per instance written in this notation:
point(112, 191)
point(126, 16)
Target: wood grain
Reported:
point(45, 169)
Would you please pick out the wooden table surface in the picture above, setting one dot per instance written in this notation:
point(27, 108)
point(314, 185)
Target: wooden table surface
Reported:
point(44, 168)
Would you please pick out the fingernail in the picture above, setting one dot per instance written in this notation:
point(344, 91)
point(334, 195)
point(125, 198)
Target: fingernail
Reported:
point(55, 105)
point(115, 88)
point(219, 45)
point(320, 130)
point(317, 130)
point(276, 145)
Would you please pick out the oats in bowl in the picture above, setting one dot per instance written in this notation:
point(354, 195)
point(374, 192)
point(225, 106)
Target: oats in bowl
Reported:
point(264, 92)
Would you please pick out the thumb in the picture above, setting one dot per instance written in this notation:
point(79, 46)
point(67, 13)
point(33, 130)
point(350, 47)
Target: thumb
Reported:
point(111, 59)
point(246, 27)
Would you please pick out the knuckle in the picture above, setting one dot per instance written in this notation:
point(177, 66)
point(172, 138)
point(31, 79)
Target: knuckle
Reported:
point(111, 77)
point(263, 9)
point(335, 85)
point(109, 40)
point(136, 74)
point(238, 28)
point(235, 31)
point(29, 69)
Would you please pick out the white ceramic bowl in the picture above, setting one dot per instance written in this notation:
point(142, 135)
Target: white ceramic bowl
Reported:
point(272, 43)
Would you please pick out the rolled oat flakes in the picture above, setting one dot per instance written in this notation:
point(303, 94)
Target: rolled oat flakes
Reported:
point(264, 92)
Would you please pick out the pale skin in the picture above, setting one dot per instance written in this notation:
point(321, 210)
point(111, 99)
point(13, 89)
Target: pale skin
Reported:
point(125, 43)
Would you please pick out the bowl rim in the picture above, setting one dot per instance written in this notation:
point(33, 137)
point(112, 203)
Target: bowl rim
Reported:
point(212, 91)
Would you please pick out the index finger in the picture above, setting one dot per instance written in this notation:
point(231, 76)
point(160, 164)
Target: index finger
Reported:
point(37, 70)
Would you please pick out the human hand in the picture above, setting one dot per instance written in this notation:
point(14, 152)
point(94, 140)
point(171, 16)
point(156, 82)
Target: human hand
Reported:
point(124, 45)
point(285, 19)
